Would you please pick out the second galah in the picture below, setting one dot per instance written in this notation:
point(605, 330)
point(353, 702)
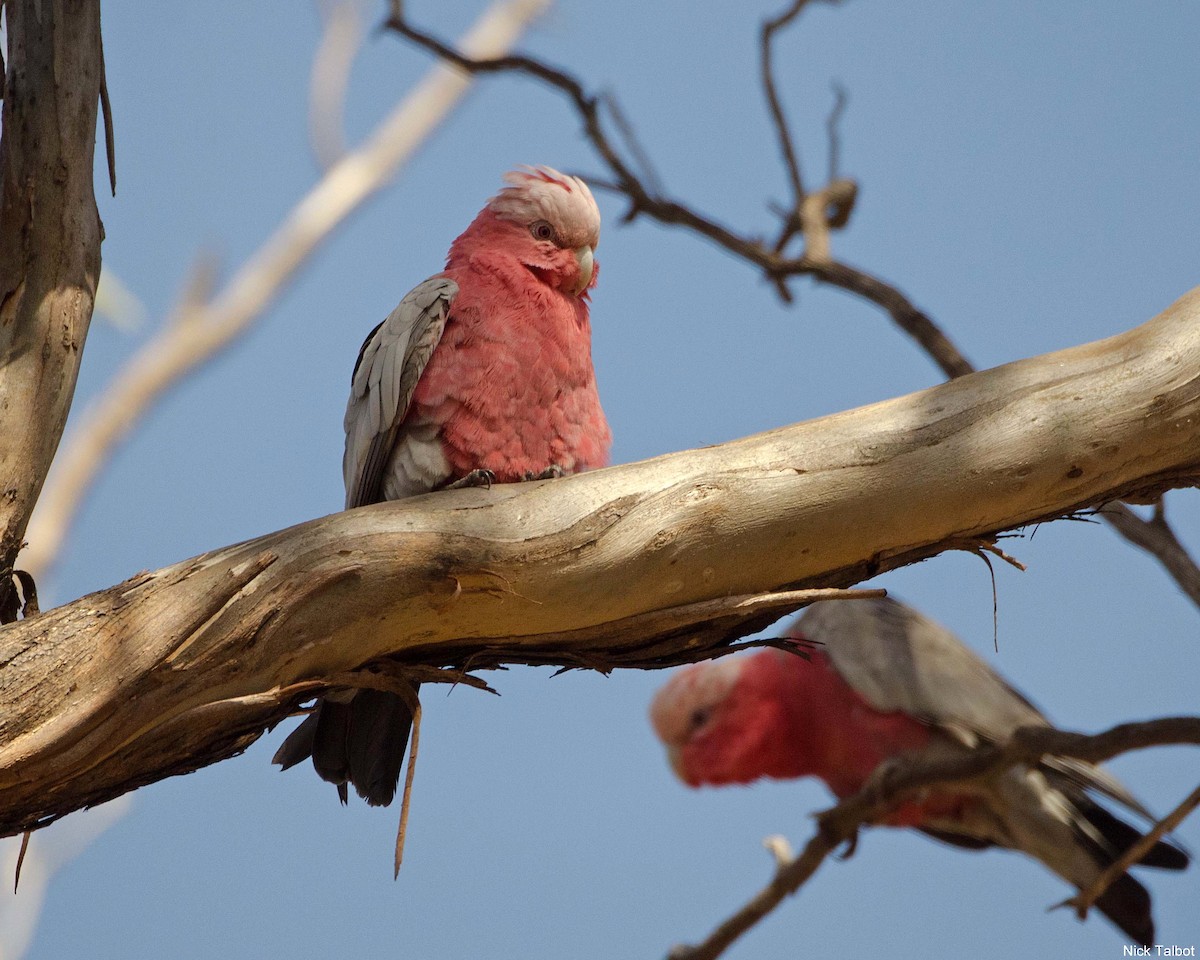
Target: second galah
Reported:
point(482, 374)
point(886, 681)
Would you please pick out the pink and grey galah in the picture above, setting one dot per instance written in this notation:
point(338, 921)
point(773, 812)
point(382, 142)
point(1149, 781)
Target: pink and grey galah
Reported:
point(883, 682)
point(482, 374)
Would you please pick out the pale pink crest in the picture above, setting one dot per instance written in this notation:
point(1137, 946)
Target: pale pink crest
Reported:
point(542, 193)
point(690, 693)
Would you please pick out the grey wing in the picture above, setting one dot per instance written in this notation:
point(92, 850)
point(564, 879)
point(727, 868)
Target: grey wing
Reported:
point(900, 660)
point(390, 363)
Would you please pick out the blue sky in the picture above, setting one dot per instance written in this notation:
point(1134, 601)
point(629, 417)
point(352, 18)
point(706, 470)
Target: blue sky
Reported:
point(1028, 175)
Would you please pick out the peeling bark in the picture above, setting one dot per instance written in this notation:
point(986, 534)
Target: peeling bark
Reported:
point(49, 244)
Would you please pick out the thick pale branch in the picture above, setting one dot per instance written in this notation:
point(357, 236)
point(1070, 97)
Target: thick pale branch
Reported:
point(49, 244)
point(179, 668)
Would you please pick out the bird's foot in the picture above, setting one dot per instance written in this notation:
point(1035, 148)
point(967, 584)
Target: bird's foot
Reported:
point(883, 781)
point(476, 478)
point(552, 472)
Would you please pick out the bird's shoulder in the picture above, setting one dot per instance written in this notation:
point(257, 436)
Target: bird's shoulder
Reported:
point(899, 660)
point(426, 302)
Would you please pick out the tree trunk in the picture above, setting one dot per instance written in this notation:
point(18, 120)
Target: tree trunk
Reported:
point(49, 244)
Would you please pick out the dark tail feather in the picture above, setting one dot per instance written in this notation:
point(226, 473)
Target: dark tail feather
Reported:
point(1127, 904)
point(322, 736)
point(1120, 836)
point(298, 745)
point(378, 739)
point(331, 743)
point(963, 840)
point(362, 741)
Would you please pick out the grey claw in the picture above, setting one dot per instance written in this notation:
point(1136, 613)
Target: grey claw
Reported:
point(552, 472)
point(476, 478)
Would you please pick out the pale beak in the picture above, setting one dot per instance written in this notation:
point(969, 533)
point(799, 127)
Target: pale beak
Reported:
point(587, 266)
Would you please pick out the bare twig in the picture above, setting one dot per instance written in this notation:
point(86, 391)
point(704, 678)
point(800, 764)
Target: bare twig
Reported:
point(783, 134)
point(779, 848)
point(833, 130)
point(632, 143)
point(789, 877)
point(841, 823)
point(981, 549)
point(913, 321)
point(1156, 537)
point(25, 837)
point(414, 706)
point(202, 326)
point(1086, 898)
point(819, 212)
point(110, 144)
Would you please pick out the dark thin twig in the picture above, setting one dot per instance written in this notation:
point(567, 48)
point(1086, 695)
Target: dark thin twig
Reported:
point(653, 203)
point(789, 877)
point(1087, 898)
point(1156, 537)
point(833, 129)
point(21, 859)
point(913, 321)
point(632, 143)
point(110, 145)
point(783, 134)
point(414, 744)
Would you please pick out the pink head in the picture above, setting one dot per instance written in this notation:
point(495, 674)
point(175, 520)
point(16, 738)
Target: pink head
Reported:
point(775, 714)
point(549, 222)
point(723, 722)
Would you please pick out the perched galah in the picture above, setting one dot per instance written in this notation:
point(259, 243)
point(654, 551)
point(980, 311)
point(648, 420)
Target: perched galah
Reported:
point(886, 681)
point(482, 374)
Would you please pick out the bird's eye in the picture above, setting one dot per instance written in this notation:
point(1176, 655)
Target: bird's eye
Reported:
point(699, 717)
point(542, 230)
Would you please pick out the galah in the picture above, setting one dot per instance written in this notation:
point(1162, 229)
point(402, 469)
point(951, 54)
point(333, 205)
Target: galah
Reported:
point(882, 682)
point(483, 373)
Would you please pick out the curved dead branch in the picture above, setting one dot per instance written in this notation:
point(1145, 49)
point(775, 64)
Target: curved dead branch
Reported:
point(639, 565)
